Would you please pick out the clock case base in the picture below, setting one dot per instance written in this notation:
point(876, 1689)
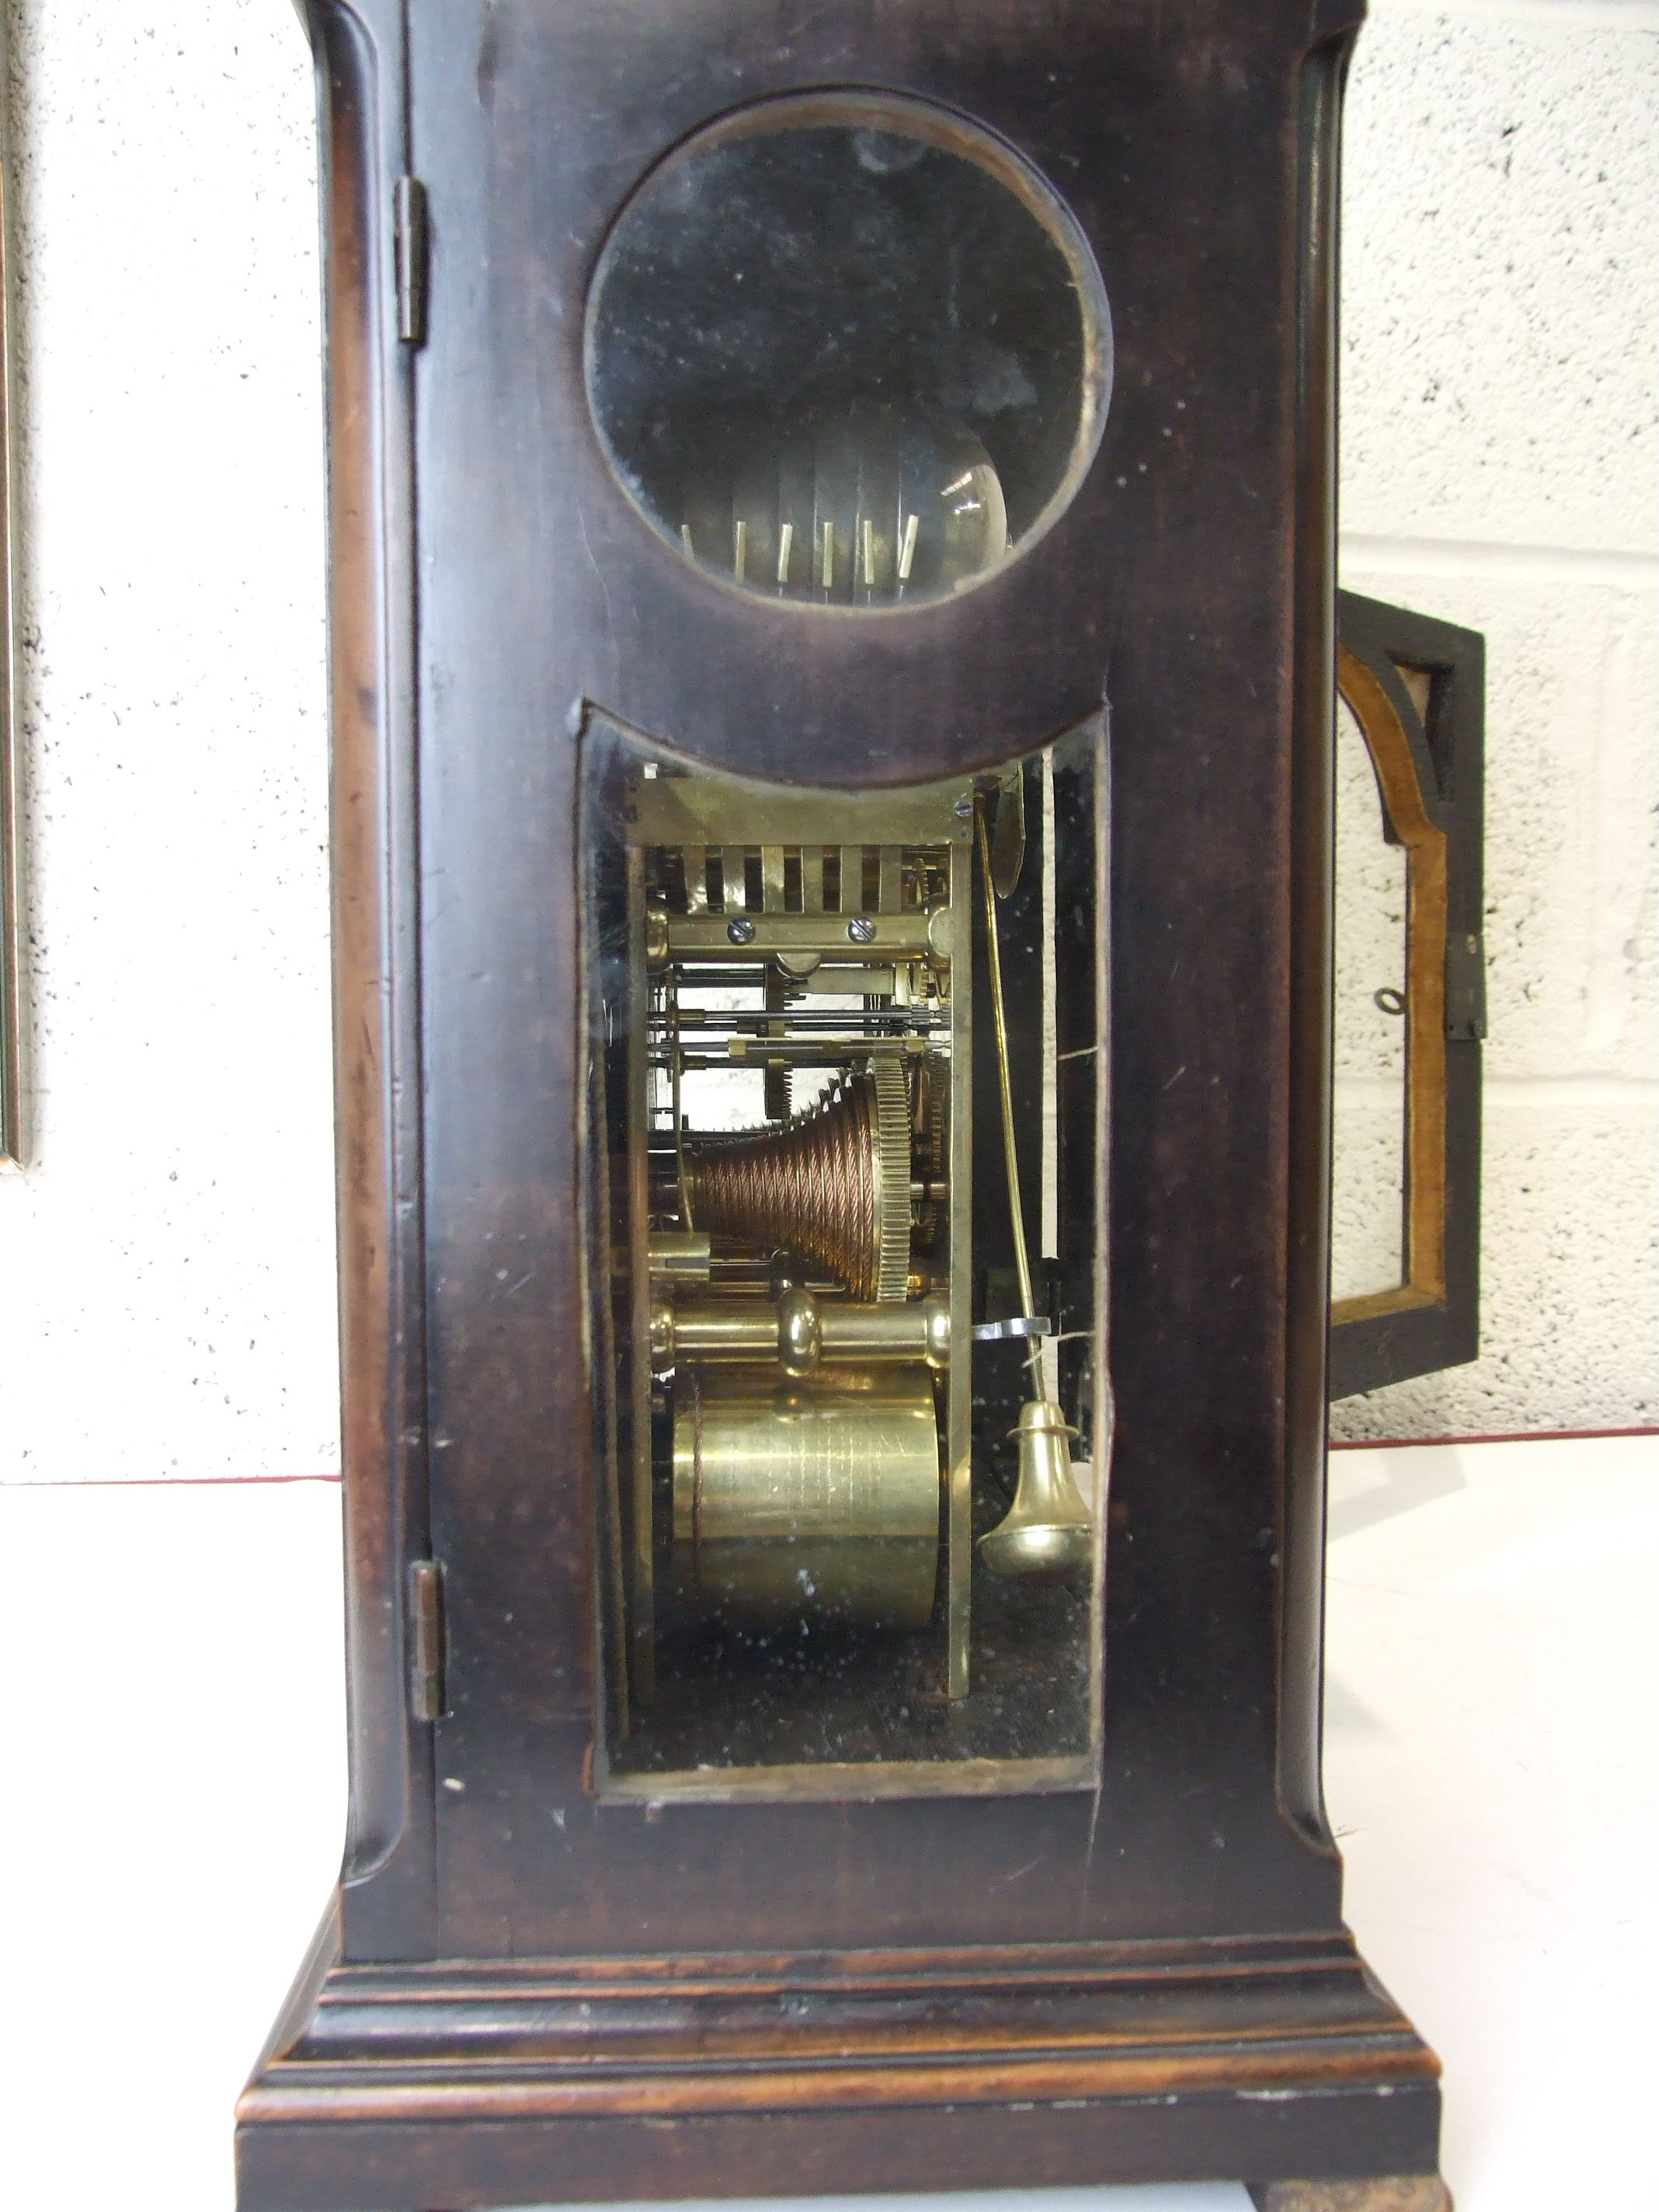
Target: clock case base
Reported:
point(448, 2086)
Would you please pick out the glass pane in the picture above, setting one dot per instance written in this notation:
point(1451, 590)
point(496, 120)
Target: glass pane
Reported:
point(846, 1387)
point(847, 352)
point(1368, 1208)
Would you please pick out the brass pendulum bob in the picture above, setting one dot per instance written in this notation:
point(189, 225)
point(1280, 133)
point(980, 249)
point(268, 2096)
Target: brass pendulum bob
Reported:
point(1047, 1530)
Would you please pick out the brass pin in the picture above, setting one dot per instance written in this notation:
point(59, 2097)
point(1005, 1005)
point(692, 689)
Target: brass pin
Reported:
point(740, 550)
point(685, 540)
point(869, 554)
point(785, 542)
point(907, 550)
point(827, 578)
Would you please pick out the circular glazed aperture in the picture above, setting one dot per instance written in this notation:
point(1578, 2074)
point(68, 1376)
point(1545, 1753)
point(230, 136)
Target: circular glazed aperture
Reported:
point(846, 352)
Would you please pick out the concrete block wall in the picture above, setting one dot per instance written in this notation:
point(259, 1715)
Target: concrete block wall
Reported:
point(166, 1299)
point(1500, 459)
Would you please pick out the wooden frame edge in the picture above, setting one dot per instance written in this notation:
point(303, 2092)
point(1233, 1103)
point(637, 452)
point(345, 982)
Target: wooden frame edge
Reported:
point(1425, 845)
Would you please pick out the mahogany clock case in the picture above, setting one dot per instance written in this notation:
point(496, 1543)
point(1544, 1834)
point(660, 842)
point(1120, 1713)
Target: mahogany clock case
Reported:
point(528, 1989)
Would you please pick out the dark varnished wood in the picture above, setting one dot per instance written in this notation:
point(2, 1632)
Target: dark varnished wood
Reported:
point(529, 538)
point(1055, 2062)
point(388, 1868)
point(1146, 1980)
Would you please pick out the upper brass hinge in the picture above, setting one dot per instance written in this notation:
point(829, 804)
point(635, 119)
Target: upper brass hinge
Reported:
point(1466, 985)
point(411, 238)
point(426, 1640)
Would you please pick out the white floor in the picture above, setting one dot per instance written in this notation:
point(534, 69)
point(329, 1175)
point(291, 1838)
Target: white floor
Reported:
point(174, 1786)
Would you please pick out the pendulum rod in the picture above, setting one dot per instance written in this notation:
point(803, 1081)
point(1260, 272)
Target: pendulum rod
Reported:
point(1047, 1531)
point(676, 1062)
point(999, 1020)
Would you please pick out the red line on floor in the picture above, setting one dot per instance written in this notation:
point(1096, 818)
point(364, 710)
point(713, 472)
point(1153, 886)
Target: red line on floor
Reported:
point(1497, 1437)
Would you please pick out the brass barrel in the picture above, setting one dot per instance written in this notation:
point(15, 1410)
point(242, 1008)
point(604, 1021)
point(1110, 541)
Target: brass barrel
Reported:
point(750, 1329)
point(816, 1496)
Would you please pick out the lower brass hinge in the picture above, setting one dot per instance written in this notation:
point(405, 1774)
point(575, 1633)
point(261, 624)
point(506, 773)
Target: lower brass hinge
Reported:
point(411, 234)
point(426, 1640)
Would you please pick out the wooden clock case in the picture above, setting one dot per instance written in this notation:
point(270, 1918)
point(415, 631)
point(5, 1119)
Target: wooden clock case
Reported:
point(526, 1992)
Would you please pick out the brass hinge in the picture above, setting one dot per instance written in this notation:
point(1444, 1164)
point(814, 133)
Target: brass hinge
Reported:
point(411, 238)
point(1466, 985)
point(426, 1639)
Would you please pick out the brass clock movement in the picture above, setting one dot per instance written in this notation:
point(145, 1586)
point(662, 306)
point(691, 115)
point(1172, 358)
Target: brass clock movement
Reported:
point(834, 661)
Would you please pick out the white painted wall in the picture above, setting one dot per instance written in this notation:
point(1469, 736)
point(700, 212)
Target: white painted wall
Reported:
point(1368, 1045)
point(167, 1287)
point(166, 1293)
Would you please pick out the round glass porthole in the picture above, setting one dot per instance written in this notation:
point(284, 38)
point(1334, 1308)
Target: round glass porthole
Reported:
point(846, 351)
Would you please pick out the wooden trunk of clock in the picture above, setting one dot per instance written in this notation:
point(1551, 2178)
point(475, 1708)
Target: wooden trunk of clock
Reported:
point(568, 1960)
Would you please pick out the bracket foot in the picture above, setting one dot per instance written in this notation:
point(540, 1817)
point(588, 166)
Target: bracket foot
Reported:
point(1395, 2192)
